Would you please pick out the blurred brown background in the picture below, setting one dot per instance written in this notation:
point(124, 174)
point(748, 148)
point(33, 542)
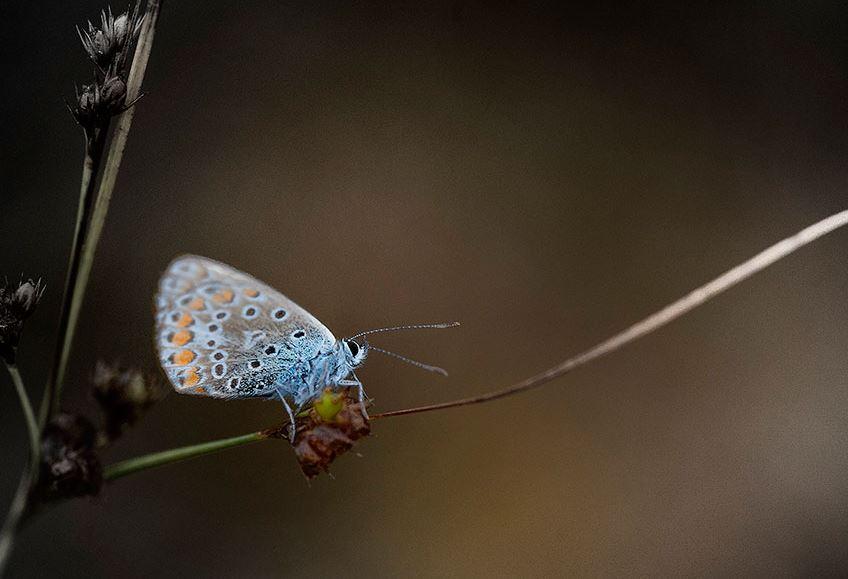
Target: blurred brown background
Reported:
point(547, 176)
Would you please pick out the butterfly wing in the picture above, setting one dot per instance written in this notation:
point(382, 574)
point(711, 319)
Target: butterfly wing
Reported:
point(224, 334)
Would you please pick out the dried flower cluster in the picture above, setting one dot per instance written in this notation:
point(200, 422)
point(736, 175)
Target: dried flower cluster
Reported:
point(16, 305)
point(335, 422)
point(109, 46)
point(123, 395)
point(69, 465)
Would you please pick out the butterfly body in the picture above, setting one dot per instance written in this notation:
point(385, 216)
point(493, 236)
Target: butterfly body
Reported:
point(221, 333)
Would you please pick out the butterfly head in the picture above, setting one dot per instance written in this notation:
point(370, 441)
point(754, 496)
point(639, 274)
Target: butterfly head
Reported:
point(354, 352)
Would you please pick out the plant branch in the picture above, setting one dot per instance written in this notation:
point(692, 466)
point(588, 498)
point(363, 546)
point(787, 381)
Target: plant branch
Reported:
point(29, 415)
point(15, 516)
point(669, 313)
point(93, 157)
point(104, 193)
point(638, 330)
point(133, 465)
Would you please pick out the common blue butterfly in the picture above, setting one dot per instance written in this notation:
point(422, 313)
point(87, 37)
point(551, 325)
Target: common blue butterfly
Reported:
point(222, 333)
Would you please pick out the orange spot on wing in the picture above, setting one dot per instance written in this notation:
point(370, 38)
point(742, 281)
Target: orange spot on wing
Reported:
point(200, 390)
point(196, 304)
point(191, 378)
point(181, 338)
point(251, 293)
point(183, 357)
point(185, 320)
point(223, 297)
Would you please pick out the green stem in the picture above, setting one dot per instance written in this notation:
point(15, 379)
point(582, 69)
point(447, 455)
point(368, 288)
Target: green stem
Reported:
point(29, 415)
point(139, 463)
point(15, 516)
point(72, 299)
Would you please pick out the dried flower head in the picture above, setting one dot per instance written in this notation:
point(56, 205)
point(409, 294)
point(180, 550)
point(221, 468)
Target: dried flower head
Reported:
point(98, 102)
point(335, 423)
point(16, 305)
point(124, 395)
point(107, 45)
point(69, 465)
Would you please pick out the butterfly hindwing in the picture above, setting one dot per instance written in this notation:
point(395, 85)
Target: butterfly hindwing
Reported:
point(224, 334)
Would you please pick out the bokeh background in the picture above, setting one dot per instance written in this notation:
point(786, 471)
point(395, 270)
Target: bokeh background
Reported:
point(545, 174)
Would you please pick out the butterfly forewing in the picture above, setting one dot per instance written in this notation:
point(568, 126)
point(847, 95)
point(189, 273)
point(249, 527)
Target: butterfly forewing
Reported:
point(222, 333)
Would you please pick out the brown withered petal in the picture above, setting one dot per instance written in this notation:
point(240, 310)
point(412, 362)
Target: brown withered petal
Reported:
point(69, 465)
point(318, 442)
point(123, 395)
point(16, 305)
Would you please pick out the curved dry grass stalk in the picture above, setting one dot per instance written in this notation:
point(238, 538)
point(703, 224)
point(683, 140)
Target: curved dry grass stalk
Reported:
point(650, 324)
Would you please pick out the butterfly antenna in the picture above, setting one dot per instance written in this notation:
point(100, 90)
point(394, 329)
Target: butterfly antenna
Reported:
point(439, 326)
point(422, 365)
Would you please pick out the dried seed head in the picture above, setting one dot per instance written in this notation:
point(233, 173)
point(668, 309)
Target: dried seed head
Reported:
point(106, 45)
point(16, 305)
point(99, 101)
point(69, 465)
point(124, 395)
point(319, 440)
point(113, 91)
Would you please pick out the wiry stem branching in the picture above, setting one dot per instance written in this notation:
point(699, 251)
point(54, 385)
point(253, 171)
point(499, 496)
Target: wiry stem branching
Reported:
point(20, 502)
point(650, 324)
point(91, 163)
point(29, 415)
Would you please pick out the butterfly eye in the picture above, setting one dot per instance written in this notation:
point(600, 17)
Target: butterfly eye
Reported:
point(353, 347)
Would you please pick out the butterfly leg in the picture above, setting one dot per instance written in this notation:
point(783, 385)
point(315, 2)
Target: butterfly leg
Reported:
point(362, 396)
point(356, 382)
point(292, 428)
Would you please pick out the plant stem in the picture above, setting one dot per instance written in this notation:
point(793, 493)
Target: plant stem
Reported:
point(29, 415)
point(669, 313)
point(147, 461)
point(15, 516)
point(104, 195)
point(93, 157)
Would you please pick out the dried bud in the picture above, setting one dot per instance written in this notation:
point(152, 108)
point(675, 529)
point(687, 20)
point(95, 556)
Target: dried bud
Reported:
point(106, 44)
point(16, 305)
point(335, 423)
point(113, 91)
point(124, 395)
point(69, 465)
point(99, 101)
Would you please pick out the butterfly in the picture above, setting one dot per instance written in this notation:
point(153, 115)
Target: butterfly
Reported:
point(224, 334)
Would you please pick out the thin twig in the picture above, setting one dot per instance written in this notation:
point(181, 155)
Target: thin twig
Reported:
point(107, 186)
point(646, 326)
point(139, 463)
point(14, 518)
point(20, 502)
point(29, 415)
point(671, 312)
point(91, 163)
